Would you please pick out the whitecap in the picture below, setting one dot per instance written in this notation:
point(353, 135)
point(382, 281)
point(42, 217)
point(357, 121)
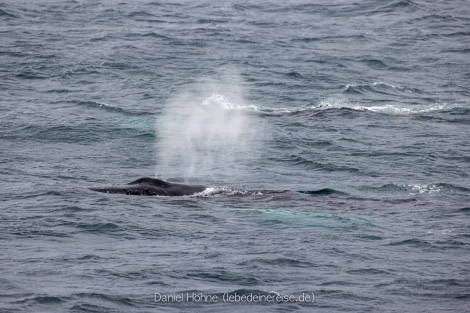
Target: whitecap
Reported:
point(341, 102)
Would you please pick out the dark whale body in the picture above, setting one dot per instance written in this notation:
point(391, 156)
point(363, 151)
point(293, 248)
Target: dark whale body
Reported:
point(152, 187)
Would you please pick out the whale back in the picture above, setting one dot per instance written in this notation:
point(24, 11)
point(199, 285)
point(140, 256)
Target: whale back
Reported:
point(150, 182)
point(147, 186)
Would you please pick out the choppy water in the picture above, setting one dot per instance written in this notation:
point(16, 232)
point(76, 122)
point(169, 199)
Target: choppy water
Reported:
point(359, 111)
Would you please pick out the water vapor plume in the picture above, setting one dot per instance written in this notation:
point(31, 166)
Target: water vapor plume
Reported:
point(207, 131)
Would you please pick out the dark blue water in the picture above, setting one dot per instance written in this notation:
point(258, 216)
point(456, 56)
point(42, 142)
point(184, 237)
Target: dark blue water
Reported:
point(333, 137)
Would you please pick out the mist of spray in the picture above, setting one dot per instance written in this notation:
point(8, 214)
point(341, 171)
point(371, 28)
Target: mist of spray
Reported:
point(207, 132)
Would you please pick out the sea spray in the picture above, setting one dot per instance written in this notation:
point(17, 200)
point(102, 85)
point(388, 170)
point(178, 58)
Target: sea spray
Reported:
point(207, 132)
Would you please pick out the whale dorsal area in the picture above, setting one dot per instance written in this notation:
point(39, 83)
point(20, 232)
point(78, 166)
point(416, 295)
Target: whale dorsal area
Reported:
point(151, 182)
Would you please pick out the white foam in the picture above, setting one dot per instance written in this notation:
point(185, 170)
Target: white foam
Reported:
point(424, 188)
point(393, 109)
point(382, 84)
point(224, 191)
point(338, 103)
point(219, 101)
point(108, 105)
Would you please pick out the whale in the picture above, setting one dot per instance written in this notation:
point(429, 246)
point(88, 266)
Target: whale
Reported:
point(147, 186)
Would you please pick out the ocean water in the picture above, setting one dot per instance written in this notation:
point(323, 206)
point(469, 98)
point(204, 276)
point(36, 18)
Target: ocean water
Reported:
point(333, 137)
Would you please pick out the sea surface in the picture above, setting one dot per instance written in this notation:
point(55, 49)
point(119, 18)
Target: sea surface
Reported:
point(333, 137)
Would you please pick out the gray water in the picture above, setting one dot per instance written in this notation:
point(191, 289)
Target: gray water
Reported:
point(332, 137)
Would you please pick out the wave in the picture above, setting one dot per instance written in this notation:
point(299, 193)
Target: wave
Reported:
point(82, 131)
point(150, 34)
point(413, 242)
point(398, 7)
point(380, 87)
point(225, 191)
point(56, 133)
point(449, 114)
point(105, 298)
point(390, 99)
point(377, 97)
point(110, 107)
point(46, 300)
point(344, 105)
point(81, 301)
point(98, 227)
point(229, 192)
point(6, 14)
point(219, 101)
point(416, 189)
